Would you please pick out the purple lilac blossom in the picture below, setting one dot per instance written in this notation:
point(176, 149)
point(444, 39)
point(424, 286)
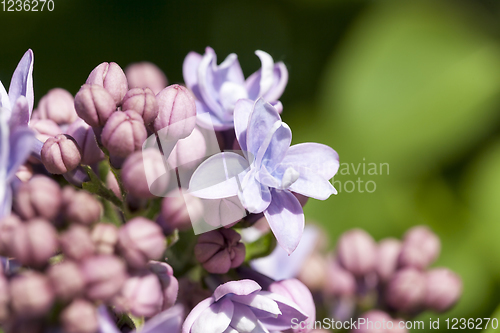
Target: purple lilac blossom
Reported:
point(241, 306)
point(16, 139)
point(217, 88)
point(269, 171)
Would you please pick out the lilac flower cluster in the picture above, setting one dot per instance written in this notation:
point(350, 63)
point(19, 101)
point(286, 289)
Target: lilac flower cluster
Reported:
point(95, 228)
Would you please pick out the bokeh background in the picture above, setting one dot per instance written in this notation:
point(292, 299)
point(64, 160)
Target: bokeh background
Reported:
point(414, 84)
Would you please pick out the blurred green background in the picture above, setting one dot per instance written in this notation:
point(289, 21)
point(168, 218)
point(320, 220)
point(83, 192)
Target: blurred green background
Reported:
point(414, 84)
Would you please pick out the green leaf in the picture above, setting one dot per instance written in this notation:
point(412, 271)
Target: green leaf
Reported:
point(261, 247)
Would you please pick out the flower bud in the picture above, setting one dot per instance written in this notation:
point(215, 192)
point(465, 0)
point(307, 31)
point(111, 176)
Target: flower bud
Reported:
point(406, 290)
point(24, 173)
point(105, 237)
point(85, 138)
point(80, 317)
point(8, 225)
point(94, 104)
point(142, 101)
point(141, 295)
point(124, 133)
point(356, 251)
point(141, 166)
point(339, 282)
point(387, 258)
point(139, 241)
point(31, 295)
point(297, 292)
point(376, 321)
point(177, 113)
point(421, 248)
point(4, 299)
point(177, 212)
point(188, 152)
point(45, 128)
point(34, 242)
point(66, 280)
point(313, 272)
point(443, 289)
point(146, 75)
point(111, 77)
point(57, 105)
point(219, 250)
point(76, 243)
point(41, 196)
point(61, 154)
point(113, 185)
point(104, 276)
point(80, 206)
point(168, 282)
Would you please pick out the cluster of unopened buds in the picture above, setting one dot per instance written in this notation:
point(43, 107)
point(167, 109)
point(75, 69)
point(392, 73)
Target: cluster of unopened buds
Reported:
point(101, 192)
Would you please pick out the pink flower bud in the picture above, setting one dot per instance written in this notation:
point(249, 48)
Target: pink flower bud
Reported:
point(356, 250)
point(113, 185)
point(139, 241)
point(31, 295)
point(124, 133)
point(94, 104)
point(406, 290)
point(298, 293)
point(188, 152)
point(80, 317)
point(76, 243)
point(41, 196)
point(104, 276)
point(169, 284)
point(313, 272)
point(219, 250)
point(105, 237)
point(178, 211)
point(66, 280)
point(146, 75)
point(111, 77)
point(141, 295)
point(8, 225)
point(177, 113)
point(58, 105)
point(141, 163)
point(24, 173)
point(61, 154)
point(421, 248)
point(85, 138)
point(73, 201)
point(4, 299)
point(45, 128)
point(443, 289)
point(376, 321)
point(142, 101)
point(34, 242)
point(339, 282)
point(387, 258)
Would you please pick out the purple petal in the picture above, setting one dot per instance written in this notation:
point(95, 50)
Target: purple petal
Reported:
point(208, 93)
point(21, 113)
point(22, 81)
point(166, 321)
point(268, 82)
point(317, 157)
point(313, 186)
point(286, 219)
point(280, 81)
point(229, 70)
point(216, 177)
point(254, 196)
point(264, 121)
point(195, 313)
point(21, 143)
point(277, 148)
point(258, 301)
point(215, 319)
point(289, 310)
point(240, 287)
point(190, 69)
point(242, 112)
point(5, 199)
point(222, 212)
point(245, 321)
point(4, 97)
point(106, 324)
point(229, 94)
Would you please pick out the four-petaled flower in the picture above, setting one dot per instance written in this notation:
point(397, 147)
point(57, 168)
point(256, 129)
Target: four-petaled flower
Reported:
point(217, 88)
point(16, 139)
point(269, 171)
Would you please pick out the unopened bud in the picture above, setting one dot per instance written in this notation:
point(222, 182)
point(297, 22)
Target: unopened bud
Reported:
point(66, 280)
point(80, 206)
point(406, 290)
point(94, 104)
point(313, 272)
point(112, 78)
point(146, 75)
point(357, 250)
point(105, 237)
point(85, 138)
point(57, 105)
point(45, 128)
point(376, 321)
point(31, 295)
point(141, 240)
point(219, 250)
point(421, 248)
point(104, 276)
point(142, 101)
point(76, 243)
point(443, 289)
point(177, 212)
point(387, 258)
point(4, 299)
point(339, 282)
point(41, 196)
point(177, 113)
point(80, 317)
point(124, 133)
point(8, 225)
point(61, 154)
point(141, 295)
point(169, 284)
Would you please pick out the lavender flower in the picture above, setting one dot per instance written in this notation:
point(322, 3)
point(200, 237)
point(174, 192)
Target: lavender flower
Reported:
point(16, 139)
point(241, 306)
point(270, 170)
point(217, 88)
